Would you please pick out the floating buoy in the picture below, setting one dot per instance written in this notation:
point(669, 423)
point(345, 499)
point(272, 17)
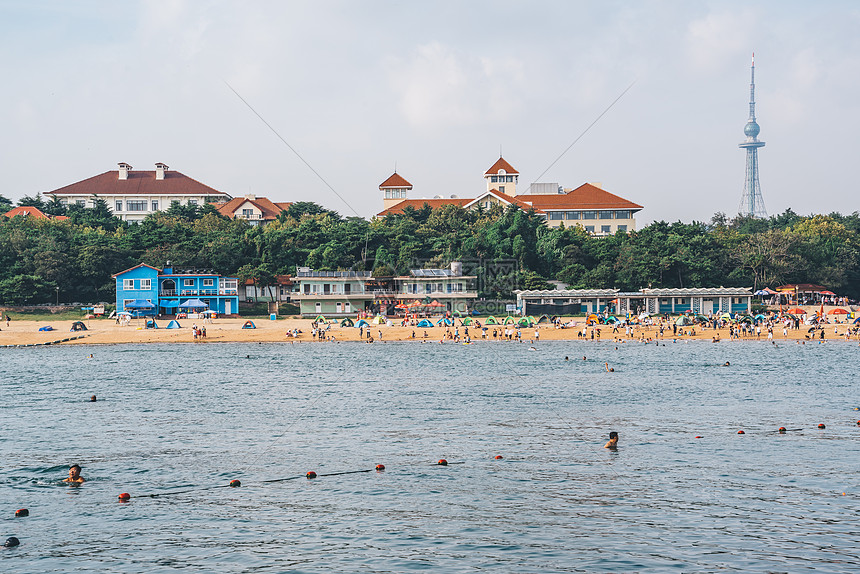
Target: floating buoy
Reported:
point(821, 425)
point(235, 483)
point(781, 430)
point(11, 541)
point(442, 462)
point(311, 474)
point(124, 496)
point(499, 457)
point(22, 512)
point(93, 399)
point(741, 432)
point(380, 467)
point(698, 436)
point(858, 423)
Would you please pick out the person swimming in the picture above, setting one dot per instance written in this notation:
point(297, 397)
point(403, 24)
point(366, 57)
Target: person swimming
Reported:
point(613, 441)
point(75, 475)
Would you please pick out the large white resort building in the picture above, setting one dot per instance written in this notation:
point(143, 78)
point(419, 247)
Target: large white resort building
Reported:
point(132, 195)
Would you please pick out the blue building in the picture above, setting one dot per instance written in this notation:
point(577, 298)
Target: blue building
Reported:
point(169, 291)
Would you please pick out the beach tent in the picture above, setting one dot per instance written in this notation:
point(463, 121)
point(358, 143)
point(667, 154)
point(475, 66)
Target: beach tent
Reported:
point(249, 325)
point(532, 319)
point(347, 323)
point(192, 304)
point(174, 325)
point(543, 319)
point(169, 304)
point(46, 328)
point(466, 322)
point(611, 320)
point(362, 323)
point(151, 324)
point(760, 317)
point(857, 321)
point(509, 321)
point(727, 316)
point(378, 320)
point(459, 313)
point(424, 323)
point(444, 322)
point(139, 304)
point(591, 319)
point(524, 322)
point(491, 321)
point(320, 319)
point(683, 321)
point(78, 326)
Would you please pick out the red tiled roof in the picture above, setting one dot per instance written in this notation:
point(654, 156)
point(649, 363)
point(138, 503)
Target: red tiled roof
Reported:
point(279, 280)
point(586, 196)
point(138, 183)
point(135, 267)
point(419, 203)
point(501, 164)
point(269, 209)
point(34, 212)
point(521, 201)
point(396, 180)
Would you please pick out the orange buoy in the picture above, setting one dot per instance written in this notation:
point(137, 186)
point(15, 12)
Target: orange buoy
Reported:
point(124, 496)
point(499, 457)
point(22, 512)
point(380, 467)
point(858, 423)
point(235, 483)
point(311, 474)
point(781, 430)
point(741, 432)
point(821, 425)
point(442, 462)
point(698, 436)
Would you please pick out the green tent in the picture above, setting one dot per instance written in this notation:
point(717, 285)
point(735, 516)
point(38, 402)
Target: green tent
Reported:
point(491, 321)
point(347, 323)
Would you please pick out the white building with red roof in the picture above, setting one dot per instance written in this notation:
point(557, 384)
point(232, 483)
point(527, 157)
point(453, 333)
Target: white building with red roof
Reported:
point(30, 211)
point(589, 205)
point(132, 195)
point(255, 210)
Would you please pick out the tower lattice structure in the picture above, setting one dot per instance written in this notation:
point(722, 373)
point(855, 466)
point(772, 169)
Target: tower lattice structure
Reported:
point(752, 203)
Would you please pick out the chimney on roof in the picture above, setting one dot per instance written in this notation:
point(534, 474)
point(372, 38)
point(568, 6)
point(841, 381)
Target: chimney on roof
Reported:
point(597, 184)
point(124, 168)
point(160, 170)
point(250, 196)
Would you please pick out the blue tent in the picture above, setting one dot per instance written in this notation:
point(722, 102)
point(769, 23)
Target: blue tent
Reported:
point(444, 321)
point(193, 304)
point(423, 323)
point(362, 323)
point(139, 304)
point(249, 325)
point(47, 328)
point(151, 324)
point(174, 325)
point(169, 304)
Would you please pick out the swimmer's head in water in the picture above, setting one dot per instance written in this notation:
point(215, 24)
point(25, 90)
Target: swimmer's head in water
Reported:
point(613, 435)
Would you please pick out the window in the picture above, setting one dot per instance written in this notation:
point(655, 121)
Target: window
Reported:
point(307, 289)
point(192, 202)
point(145, 284)
point(81, 202)
point(135, 205)
point(154, 206)
point(502, 188)
point(622, 228)
point(554, 215)
point(494, 179)
point(605, 215)
point(571, 215)
point(387, 194)
point(605, 229)
point(347, 289)
point(188, 282)
point(589, 228)
point(247, 212)
point(326, 289)
point(128, 284)
point(118, 206)
point(589, 215)
point(680, 301)
point(509, 178)
point(208, 282)
point(622, 215)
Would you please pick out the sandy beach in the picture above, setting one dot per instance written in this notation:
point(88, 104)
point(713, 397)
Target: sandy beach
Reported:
point(106, 331)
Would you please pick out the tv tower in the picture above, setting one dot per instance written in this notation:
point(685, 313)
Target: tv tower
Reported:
point(752, 203)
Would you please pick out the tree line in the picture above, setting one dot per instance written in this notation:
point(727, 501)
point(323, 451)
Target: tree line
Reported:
point(508, 248)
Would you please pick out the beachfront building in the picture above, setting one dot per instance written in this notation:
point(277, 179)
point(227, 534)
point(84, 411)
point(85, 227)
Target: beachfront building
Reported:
point(332, 293)
point(168, 289)
point(701, 301)
point(449, 287)
point(589, 206)
point(280, 290)
point(255, 210)
point(132, 195)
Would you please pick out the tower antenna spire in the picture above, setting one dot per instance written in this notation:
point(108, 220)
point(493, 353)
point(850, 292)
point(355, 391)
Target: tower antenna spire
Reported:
point(752, 203)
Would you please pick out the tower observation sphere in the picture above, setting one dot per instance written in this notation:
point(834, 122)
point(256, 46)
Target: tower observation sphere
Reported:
point(752, 203)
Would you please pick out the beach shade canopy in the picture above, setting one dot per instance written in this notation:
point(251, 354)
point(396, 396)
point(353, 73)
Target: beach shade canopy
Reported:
point(543, 319)
point(491, 321)
point(378, 320)
point(401, 306)
point(837, 312)
point(347, 323)
point(424, 323)
point(320, 319)
point(857, 320)
point(192, 304)
point(249, 325)
point(466, 322)
point(362, 323)
point(415, 304)
point(445, 322)
point(435, 304)
point(174, 325)
point(139, 304)
point(509, 321)
point(826, 293)
point(78, 326)
point(524, 322)
point(169, 304)
point(151, 324)
point(796, 311)
point(763, 292)
point(683, 321)
point(126, 313)
point(210, 312)
point(726, 316)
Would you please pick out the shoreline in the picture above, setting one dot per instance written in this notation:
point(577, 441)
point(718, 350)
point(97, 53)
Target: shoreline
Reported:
point(107, 332)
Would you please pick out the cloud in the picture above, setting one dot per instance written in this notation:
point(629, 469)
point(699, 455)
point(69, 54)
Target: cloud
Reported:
point(438, 87)
point(717, 39)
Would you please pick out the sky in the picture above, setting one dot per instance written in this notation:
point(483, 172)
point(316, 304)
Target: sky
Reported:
point(438, 90)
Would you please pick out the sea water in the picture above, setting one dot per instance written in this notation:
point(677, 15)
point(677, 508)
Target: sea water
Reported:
point(181, 421)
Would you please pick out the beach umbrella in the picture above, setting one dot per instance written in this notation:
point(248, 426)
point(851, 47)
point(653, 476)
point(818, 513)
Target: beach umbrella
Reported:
point(837, 312)
point(762, 292)
point(796, 311)
point(826, 293)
